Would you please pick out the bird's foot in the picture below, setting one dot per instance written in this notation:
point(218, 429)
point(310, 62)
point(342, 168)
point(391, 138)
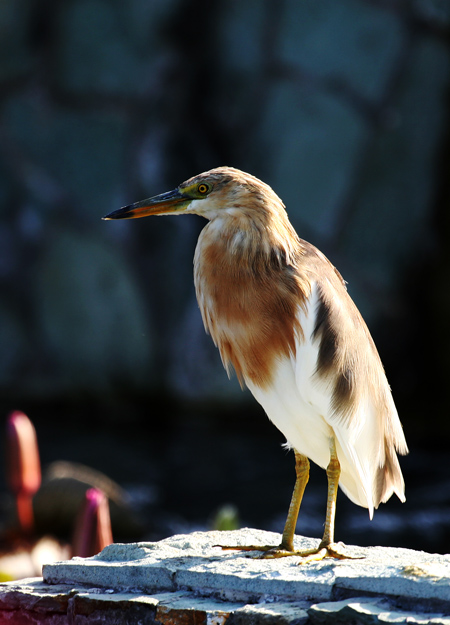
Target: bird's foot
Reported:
point(332, 550)
point(264, 548)
point(268, 551)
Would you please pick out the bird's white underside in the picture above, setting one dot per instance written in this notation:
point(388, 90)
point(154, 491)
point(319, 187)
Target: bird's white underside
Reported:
point(298, 402)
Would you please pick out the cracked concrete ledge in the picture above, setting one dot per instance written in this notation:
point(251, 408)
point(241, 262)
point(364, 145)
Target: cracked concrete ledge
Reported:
point(188, 577)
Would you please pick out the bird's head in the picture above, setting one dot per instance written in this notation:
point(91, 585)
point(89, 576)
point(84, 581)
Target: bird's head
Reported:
point(217, 192)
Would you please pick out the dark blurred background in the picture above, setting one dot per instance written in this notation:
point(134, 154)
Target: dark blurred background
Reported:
point(342, 107)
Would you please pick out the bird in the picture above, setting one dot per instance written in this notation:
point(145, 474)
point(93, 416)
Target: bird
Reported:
point(281, 316)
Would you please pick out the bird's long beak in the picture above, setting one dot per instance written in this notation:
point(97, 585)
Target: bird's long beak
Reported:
point(170, 202)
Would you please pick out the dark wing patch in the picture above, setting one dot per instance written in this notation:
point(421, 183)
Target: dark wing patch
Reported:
point(332, 359)
point(342, 397)
point(325, 333)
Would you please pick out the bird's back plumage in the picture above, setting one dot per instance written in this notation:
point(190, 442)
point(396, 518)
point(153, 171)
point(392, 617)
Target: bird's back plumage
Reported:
point(280, 314)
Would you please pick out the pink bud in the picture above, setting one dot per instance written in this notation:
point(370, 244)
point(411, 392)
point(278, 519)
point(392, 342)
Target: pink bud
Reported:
point(93, 527)
point(23, 471)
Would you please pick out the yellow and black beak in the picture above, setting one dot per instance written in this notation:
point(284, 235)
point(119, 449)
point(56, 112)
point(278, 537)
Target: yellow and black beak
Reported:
point(170, 202)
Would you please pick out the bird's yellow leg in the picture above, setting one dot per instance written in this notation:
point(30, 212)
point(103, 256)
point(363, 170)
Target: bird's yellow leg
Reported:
point(302, 477)
point(286, 547)
point(327, 547)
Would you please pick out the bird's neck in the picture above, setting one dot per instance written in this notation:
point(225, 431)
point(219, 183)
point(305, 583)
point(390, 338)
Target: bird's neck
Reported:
point(249, 291)
point(251, 240)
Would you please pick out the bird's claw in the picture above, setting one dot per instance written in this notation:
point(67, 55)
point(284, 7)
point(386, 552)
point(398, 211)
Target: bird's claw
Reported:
point(333, 550)
point(264, 548)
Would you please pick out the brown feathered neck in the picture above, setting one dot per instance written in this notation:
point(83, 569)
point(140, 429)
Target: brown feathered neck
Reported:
point(246, 216)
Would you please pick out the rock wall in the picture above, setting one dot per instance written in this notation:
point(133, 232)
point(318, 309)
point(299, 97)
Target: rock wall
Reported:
point(341, 106)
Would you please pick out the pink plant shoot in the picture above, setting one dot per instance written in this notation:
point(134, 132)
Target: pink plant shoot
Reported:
point(23, 470)
point(93, 529)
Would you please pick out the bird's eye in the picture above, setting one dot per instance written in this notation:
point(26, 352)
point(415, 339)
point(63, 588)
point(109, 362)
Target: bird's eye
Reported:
point(203, 188)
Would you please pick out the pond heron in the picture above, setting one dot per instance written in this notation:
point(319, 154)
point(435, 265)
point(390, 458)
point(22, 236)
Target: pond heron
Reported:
point(281, 317)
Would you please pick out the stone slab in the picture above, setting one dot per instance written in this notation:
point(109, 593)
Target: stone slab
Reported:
point(367, 611)
point(34, 601)
point(195, 562)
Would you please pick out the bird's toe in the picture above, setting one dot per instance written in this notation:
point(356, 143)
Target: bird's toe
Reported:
point(337, 551)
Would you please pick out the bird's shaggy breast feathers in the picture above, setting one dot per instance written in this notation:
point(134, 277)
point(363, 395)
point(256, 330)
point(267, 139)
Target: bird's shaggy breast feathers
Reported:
point(249, 306)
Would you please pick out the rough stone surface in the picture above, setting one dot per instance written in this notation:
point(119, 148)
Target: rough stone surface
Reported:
point(195, 561)
point(368, 611)
point(189, 579)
